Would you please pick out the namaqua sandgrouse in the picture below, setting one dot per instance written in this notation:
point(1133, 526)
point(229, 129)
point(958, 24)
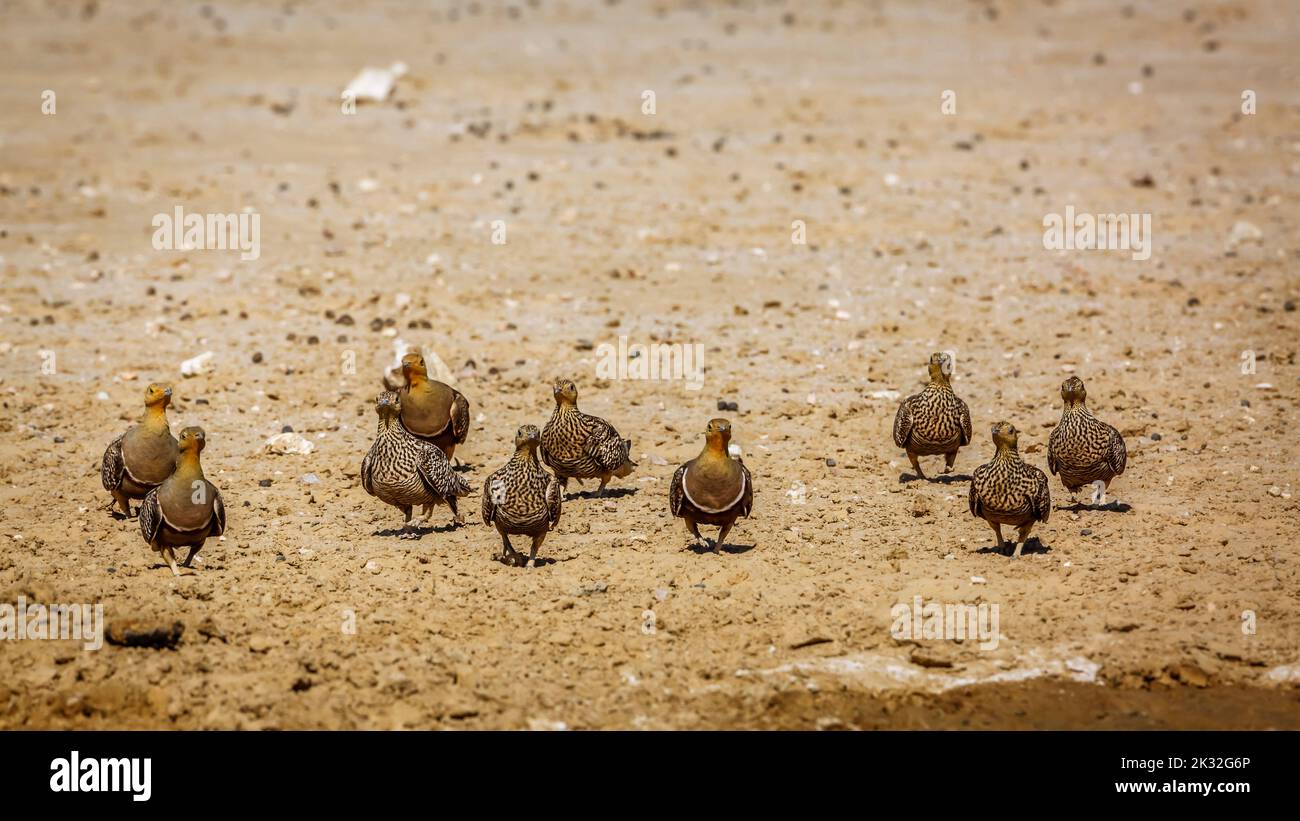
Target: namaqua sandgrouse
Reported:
point(713, 488)
point(405, 471)
point(1083, 449)
point(580, 446)
point(935, 420)
point(431, 410)
point(521, 498)
point(140, 459)
point(186, 509)
point(1007, 491)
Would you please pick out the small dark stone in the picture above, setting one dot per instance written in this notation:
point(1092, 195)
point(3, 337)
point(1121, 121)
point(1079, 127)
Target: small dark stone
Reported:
point(58, 440)
point(376, 324)
point(724, 405)
point(830, 463)
point(1245, 403)
point(345, 319)
point(1155, 437)
point(584, 345)
point(1086, 532)
point(279, 557)
point(287, 429)
point(264, 483)
point(1289, 305)
point(1193, 302)
point(257, 357)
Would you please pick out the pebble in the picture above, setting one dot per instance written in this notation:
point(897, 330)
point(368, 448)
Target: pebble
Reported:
point(724, 405)
point(1275, 491)
point(310, 479)
point(264, 483)
point(830, 463)
point(257, 357)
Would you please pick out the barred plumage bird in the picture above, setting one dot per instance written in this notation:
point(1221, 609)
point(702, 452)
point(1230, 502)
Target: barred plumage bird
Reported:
point(580, 446)
point(713, 488)
point(521, 498)
point(185, 509)
point(1082, 448)
point(140, 459)
point(933, 421)
point(405, 471)
point(431, 410)
point(1007, 491)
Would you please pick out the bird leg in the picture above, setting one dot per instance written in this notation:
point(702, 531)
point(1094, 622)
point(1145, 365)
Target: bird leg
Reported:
point(408, 530)
point(190, 557)
point(508, 554)
point(170, 555)
point(600, 491)
point(532, 554)
point(694, 530)
point(949, 459)
point(122, 502)
point(457, 518)
point(997, 529)
point(722, 536)
point(1099, 493)
point(916, 465)
point(1022, 537)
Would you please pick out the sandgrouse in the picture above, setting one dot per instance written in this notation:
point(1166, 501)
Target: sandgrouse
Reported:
point(713, 488)
point(1007, 491)
point(521, 498)
point(1083, 449)
point(431, 410)
point(140, 459)
point(405, 471)
point(933, 421)
point(186, 509)
point(580, 446)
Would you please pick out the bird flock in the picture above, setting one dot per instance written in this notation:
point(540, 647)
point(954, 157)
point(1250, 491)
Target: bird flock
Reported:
point(410, 464)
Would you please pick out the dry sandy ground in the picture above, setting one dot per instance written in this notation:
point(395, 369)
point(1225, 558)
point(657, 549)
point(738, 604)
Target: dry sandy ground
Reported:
point(924, 233)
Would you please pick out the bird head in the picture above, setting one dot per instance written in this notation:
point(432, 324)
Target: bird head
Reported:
point(388, 405)
point(158, 395)
point(565, 392)
point(528, 436)
point(718, 433)
point(192, 440)
point(940, 367)
point(1005, 436)
point(1073, 392)
point(413, 365)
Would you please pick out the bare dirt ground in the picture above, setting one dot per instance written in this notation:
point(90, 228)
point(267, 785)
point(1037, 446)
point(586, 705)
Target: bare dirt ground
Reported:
point(924, 233)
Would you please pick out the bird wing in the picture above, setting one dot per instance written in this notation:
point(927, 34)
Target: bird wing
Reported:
point(1042, 497)
point(1117, 456)
point(964, 409)
point(489, 508)
point(975, 507)
point(746, 501)
point(459, 417)
point(604, 446)
point(1053, 443)
point(553, 498)
point(903, 423)
point(113, 467)
point(675, 492)
point(367, 466)
point(218, 512)
point(437, 475)
point(150, 517)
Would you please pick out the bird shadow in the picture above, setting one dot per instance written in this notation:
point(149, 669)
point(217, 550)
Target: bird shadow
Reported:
point(731, 549)
point(610, 493)
point(942, 478)
point(1034, 545)
point(416, 533)
point(1109, 507)
point(521, 561)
